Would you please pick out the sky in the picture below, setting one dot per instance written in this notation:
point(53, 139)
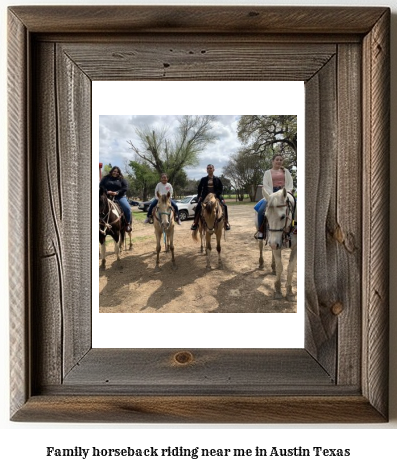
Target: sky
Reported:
point(116, 130)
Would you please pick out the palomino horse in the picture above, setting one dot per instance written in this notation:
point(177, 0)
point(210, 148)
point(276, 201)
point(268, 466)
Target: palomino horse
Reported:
point(281, 234)
point(211, 222)
point(163, 222)
point(111, 222)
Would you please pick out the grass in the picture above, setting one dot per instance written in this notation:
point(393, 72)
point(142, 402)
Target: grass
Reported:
point(139, 216)
point(239, 203)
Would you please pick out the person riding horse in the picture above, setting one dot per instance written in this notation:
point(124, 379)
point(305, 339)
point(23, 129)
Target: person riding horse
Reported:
point(115, 185)
point(273, 180)
point(162, 187)
point(210, 184)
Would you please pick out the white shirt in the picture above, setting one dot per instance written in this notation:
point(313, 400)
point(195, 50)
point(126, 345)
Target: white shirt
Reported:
point(163, 189)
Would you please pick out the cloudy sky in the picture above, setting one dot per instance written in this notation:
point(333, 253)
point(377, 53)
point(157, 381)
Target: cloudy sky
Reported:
point(116, 130)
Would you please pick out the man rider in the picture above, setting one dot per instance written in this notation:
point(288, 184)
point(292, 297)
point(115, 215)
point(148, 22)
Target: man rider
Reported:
point(210, 184)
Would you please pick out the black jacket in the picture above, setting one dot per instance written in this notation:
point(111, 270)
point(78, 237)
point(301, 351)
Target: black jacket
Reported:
point(203, 187)
point(109, 183)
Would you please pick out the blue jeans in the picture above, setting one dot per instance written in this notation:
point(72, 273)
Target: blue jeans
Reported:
point(125, 206)
point(260, 208)
point(153, 204)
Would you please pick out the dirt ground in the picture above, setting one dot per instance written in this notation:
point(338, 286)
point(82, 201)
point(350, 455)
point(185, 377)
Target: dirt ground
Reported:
point(133, 285)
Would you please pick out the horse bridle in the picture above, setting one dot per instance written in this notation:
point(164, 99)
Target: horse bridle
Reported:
point(287, 227)
point(217, 220)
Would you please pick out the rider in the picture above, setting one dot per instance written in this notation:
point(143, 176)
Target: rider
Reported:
point(163, 187)
point(210, 184)
point(273, 180)
point(116, 185)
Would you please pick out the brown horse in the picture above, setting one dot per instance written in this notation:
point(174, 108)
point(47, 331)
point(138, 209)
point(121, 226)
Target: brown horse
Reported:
point(163, 222)
point(111, 222)
point(211, 222)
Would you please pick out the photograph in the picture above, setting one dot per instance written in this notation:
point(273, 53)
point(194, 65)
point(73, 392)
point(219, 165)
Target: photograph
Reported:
point(198, 213)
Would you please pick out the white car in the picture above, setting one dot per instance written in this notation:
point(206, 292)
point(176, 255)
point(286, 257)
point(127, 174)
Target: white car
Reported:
point(187, 206)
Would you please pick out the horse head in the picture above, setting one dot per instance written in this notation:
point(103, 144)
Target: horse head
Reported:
point(164, 210)
point(278, 217)
point(102, 200)
point(210, 212)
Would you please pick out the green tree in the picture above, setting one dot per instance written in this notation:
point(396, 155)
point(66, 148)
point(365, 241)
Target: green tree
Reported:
point(245, 171)
point(171, 155)
point(145, 178)
point(277, 133)
point(106, 169)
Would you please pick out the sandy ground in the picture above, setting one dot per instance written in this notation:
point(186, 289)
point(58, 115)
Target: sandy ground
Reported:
point(133, 285)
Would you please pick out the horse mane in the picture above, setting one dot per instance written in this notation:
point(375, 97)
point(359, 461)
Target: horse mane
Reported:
point(210, 202)
point(276, 198)
point(164, 199)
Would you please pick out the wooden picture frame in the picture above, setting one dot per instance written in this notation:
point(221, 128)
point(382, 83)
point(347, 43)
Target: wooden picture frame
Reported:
point(342, 54)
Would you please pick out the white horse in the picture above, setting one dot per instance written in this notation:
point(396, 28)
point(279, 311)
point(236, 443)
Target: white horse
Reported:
point(163, 221)
point(281, 231)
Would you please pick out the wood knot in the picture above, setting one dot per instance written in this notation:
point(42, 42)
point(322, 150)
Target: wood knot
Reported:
point(337, 308)
point(338, 235)
point(183, 358)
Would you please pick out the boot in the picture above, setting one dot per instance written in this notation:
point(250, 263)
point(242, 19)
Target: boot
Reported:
point(227, 225)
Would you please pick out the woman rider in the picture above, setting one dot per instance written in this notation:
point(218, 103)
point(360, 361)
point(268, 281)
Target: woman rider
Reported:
point(273, 180)
point(116, 185)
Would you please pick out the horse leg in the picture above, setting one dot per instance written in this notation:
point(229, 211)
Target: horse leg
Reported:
point(117, 249)
point(291, 270)
point(218, 248)
point(130, 237)
point(261, 261)
point(103, 255)
point(158, 248)
point(273, 264)
point(171, 239)
point(208, 249)
point(279, 270)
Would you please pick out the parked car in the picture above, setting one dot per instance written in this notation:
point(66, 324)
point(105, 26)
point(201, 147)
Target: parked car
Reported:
point(133, 202)
point(144, 205)
point(187, 206)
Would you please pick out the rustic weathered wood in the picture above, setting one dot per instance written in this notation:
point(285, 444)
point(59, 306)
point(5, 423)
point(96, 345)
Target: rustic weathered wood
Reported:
point(19, 249)
point(195, 20)
point(320, 174)
point(204, 60)
point(376, 112)
point(198, 409)
point(346, 227)
point(56, 376)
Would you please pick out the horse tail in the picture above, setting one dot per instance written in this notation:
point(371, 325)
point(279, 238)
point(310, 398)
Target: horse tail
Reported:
point(195, 235)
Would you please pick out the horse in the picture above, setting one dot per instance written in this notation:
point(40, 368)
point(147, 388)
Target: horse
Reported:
point(281, 233)
point(163, 222)
point(111, 222)
point(211, 222)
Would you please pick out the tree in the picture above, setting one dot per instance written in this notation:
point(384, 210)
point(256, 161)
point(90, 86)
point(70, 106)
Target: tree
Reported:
point(171, 155)
point(106, 169)
point(145, 178)
point(275, 132)
point(245, 171)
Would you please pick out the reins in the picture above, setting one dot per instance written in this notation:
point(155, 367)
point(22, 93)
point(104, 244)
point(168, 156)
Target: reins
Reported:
point(217, 219)
point(168, 214)
point(105, 220)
